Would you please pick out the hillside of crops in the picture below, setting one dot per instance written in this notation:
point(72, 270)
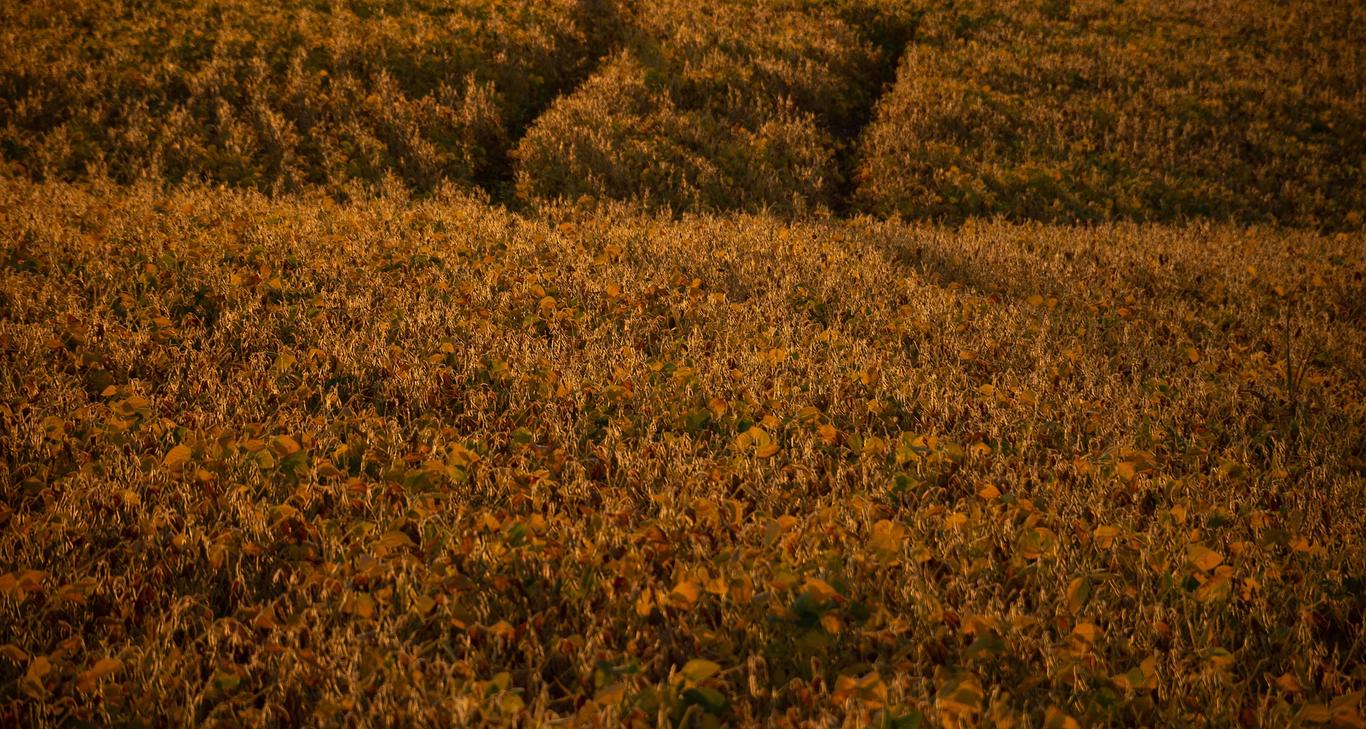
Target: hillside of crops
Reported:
point(794, 363)
point(719, 106)
point(1144, 110)
point(1059, 111)
point(280, 460)
point(283, 96)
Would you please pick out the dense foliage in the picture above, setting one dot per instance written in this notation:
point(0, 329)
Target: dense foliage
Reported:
point(277, 459)
point(1148, 109)
point(608, 362)
point(1053, 110)
point(713, 105)
point(279, 96)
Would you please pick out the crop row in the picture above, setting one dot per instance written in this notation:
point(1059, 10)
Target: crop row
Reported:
point(1028, 109)
point(266, 460)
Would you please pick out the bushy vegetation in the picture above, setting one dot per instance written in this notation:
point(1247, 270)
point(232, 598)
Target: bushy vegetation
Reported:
point(1085, 110)
point(298, 425)
point(1051, 110)
point(718, 105)
point(282, 459)
point(280, 96)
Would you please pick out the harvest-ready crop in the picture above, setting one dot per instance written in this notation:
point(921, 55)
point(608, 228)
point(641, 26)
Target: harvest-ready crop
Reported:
point(280, 460)
point(1147, 109)
point(682, 364)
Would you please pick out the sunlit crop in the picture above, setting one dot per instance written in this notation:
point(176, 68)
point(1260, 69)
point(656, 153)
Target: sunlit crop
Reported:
point(1149, 110)
point(277, 460)
point(682, 364)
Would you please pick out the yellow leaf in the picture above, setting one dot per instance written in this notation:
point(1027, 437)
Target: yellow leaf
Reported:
point(102, 668)
point(282, 512)
point(887, 538)
point(32, 682)
point(177, 456)
point(645, 604)
point(869, 689)
point(1105, 536)
point(820, 589)
point(685, 592)
point(1218, 587)
point(1078, 592)
point(1315, 714)
point(395, 539)
point(755, 438)
point(1203, 557)
point(874, 446)
point(76, 592)
point(989, 492)
point(1349, 700)
point(1345, 712)
point(1142, 677)
point(717, 586)
point(1149, 666)
point(959, 695)
point(1037, 542)
point(285, 445)
point(741, 590)
point(1088, 632)
point(511, 703)
point(1220, 659)
point(766, 451)
point(1289, 683)
point(827, 433)
point(1001, 716)
point(699, 669)
point(54, 427)
point(1055, 718)
point(283, 362)
point(362, 606)
point(611, 695)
